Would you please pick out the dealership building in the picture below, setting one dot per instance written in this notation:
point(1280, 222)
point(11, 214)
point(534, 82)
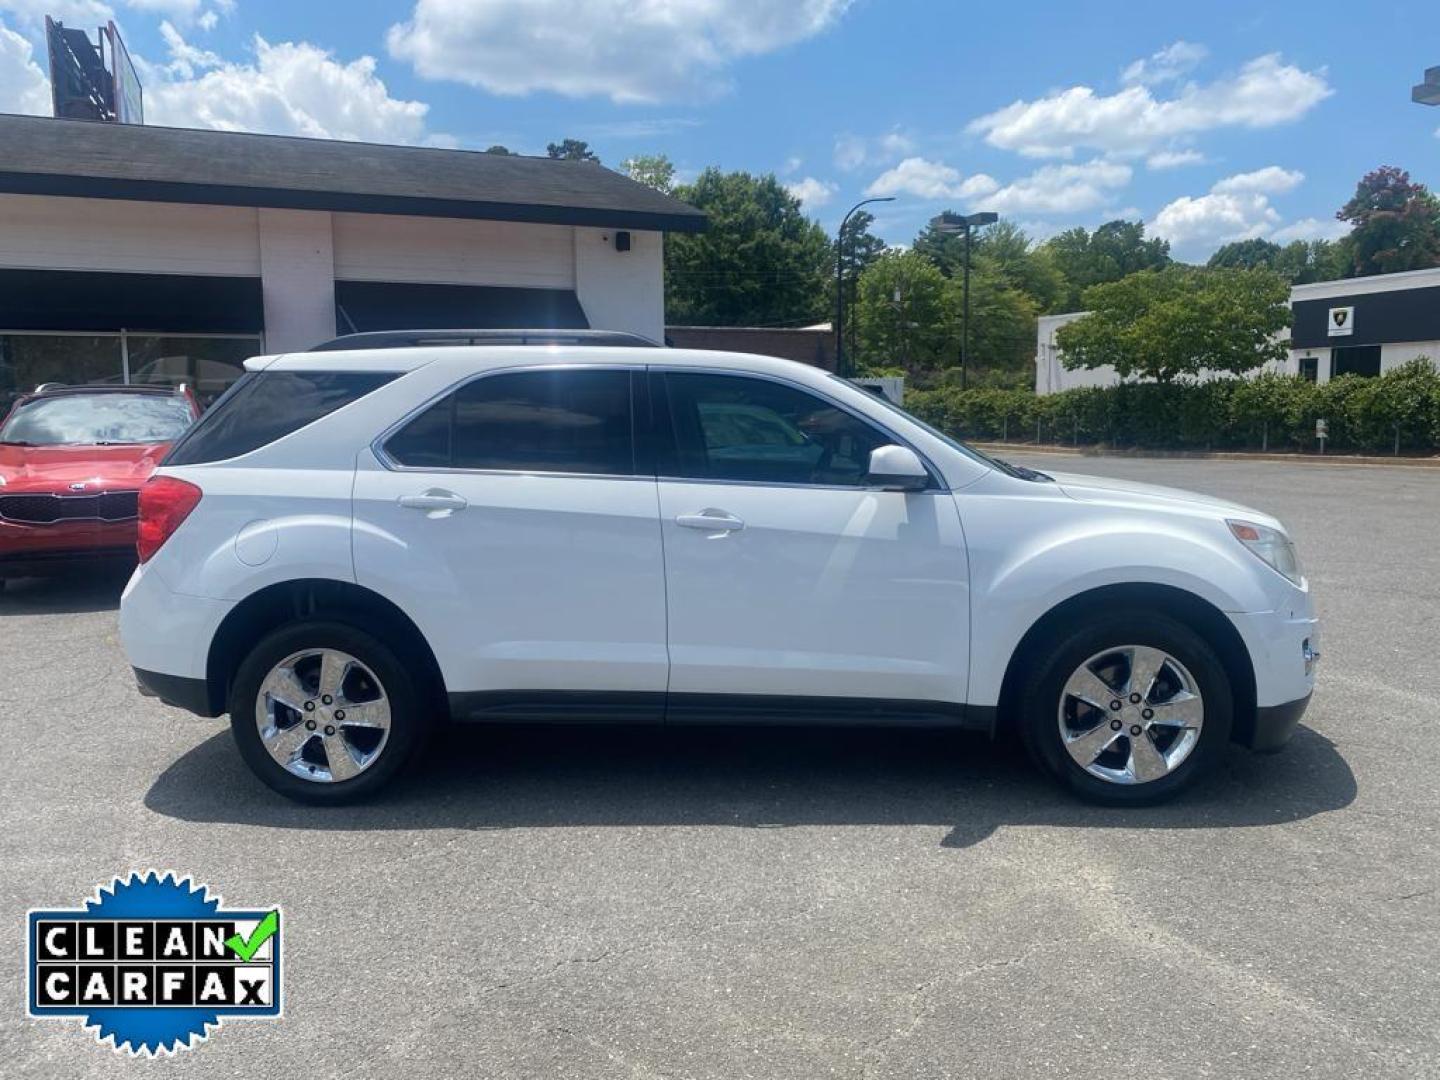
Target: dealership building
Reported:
point(1357, 326)
point(134, 253)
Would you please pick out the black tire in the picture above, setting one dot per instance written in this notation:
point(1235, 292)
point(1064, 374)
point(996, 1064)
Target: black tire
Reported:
point(1061, 654)
point(410, 720)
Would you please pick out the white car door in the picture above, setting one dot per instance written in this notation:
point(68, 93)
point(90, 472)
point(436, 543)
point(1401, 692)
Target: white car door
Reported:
point(786, 574)
point(509, 521)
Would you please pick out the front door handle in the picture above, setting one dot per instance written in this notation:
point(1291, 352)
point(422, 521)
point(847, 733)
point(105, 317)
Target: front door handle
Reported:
point(434, 499)
point(711, 520)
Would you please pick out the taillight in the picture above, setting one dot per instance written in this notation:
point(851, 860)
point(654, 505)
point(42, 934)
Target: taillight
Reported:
point(165, 502)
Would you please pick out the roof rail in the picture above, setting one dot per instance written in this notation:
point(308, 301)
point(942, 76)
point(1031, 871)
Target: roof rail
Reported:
point(404, 339)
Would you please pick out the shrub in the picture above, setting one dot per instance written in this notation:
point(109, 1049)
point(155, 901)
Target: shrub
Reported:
point(1278, 410)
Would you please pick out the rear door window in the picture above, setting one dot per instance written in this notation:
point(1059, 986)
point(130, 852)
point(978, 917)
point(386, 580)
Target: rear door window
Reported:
point(555, 421)
point(267, 405)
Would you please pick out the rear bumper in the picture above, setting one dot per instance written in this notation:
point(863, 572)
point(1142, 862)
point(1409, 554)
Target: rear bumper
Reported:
point(1274, 724)
point(192, 695)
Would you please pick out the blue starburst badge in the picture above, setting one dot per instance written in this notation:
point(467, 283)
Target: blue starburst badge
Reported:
point(151, 964)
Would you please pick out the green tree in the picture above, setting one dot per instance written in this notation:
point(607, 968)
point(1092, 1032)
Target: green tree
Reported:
point(911, 316)
point(761, 261)
point(860, 249)
point(861, 246)
point(1179, 321)
point(652, 170)
point(903, 313)
point(1298, 262)
point(1397, 224)
point(503, 151)
point(1245, 255)
point(1111, 252)
point(1002, 327)
point(1302, 261)
point(1007, 250)
point(572, 150)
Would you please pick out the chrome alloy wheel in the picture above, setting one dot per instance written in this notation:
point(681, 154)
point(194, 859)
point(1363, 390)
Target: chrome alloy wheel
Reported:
point(323, 715)
point(1131, 714)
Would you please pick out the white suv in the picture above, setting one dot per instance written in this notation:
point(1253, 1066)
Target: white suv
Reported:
point(352, 546)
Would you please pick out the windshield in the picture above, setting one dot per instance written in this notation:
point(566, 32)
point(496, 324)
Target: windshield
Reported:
point(97, 419)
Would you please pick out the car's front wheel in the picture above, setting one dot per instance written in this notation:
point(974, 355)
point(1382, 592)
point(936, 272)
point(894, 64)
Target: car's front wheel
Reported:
point(325, 713)
point(1126, 708)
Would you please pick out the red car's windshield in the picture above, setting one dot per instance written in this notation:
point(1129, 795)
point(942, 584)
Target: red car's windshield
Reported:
point(97, 419)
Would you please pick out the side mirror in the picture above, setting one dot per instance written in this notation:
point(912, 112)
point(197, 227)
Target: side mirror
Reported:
point(897, 468)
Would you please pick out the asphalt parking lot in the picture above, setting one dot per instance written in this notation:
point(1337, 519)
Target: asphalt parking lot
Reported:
point(611, 903)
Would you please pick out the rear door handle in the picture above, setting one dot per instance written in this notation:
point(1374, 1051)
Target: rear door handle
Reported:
point(711, 520)
point(434, 499)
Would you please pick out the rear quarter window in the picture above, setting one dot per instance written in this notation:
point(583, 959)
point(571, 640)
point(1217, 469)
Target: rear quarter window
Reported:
point(267, 405)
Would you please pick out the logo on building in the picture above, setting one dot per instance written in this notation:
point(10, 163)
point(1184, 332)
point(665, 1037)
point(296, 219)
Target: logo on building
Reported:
point(151, 963)
point(1342, 321)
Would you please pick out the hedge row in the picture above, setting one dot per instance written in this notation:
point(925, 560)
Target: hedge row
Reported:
point(1269, 411)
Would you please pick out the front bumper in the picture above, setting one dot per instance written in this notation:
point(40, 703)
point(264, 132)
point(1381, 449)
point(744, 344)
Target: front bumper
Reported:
point(1274, 724)
point(37, 550)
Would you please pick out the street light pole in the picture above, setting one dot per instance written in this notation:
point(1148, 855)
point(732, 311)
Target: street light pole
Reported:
point(950, 224)
point(840, 281)
point(965, 328)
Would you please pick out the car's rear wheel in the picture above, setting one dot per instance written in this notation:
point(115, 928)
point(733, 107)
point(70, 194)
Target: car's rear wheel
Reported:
point(1126, 708)
point(324, 712)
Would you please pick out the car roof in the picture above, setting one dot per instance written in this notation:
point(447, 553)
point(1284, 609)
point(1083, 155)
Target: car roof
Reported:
point(486, 357)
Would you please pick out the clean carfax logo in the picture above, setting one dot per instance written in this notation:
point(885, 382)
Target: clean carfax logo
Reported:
point(152, 963)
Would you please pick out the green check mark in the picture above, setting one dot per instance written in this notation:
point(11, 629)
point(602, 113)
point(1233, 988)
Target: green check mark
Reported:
point(244, 948)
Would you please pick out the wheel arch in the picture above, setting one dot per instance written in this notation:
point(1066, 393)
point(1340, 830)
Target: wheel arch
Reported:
point(1194, 610)
point(299, 599)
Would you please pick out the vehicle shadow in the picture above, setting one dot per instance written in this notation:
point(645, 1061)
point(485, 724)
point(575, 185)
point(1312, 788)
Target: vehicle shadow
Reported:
point(79, 591)
point(540, 777)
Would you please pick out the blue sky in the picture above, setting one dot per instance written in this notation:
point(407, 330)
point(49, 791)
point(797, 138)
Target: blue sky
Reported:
point(1211, 121)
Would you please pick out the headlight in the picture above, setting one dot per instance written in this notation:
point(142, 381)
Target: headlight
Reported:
point(1271, 546)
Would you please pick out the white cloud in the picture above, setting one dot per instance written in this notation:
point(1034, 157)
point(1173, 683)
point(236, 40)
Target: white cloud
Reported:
point(1167, 65)
point(1215, 219)
point(1264, 93)
point(1271, 180)
point(1174, 159)
point(627, 50)
point(184, 57)
point(927, 179)
point(24, 87)
point(290, 89)
point(31, 13)
point(1311, 229)
point(184, 10)
point(853, 151)
point(1236, 208)
point(792, 165)
point(812, 193)
point(850, 152)
point(1061, 189)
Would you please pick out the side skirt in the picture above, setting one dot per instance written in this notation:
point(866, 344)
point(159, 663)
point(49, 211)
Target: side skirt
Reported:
point(568, 706)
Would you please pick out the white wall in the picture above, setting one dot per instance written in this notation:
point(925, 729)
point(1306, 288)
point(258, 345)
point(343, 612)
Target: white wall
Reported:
point(1391, 356)
point(52, 233)
point(621, 290)
point(298, 255)
point(297, 269)
point(449, 251)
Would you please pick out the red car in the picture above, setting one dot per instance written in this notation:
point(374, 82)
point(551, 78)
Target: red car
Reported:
point(72, 460)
